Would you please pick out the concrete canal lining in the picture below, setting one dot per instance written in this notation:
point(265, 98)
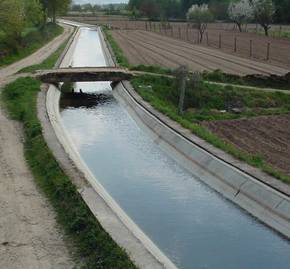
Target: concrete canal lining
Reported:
point(143, 252)
point(268, 204)
point(260, 200)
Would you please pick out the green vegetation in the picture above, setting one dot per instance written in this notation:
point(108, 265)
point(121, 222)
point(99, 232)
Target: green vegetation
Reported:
point(24, 27)
point(205, 103)
point(121, 59)
point(48, 63)
point(31, 41)
point(95, 247)
point(274, 82)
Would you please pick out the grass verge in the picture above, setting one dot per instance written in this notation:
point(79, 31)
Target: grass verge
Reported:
point(33, 41)
point(48, 63)
point(163, 95)
point(95, 247)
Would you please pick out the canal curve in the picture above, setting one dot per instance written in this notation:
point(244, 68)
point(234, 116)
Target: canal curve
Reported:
point(191, 223)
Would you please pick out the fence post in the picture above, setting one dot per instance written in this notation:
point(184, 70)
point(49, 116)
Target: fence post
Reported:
point(187, 32)
point(268, 51)
point(146, 26)
point(220, 41)
point(207, 39)
point(172, 30)
point(251, 48)
point(235, 44)
point(179, 32)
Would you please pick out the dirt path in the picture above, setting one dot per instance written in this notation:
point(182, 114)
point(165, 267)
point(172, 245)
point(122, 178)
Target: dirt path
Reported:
point(29, 236)
point(169, 52)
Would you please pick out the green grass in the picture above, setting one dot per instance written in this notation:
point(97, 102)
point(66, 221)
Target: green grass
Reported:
point(32, 41)
point(95, 248)
point(48, 63)
point(162, 94)
point(121, 59)
point(263, 82)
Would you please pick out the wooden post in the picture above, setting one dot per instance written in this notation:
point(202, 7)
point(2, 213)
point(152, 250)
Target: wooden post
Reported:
point(207, 39)
point(268, 51)
point(159, 28)
point(235, 44)
point(251, 48)
point(182, 76)
point(179, 32)
point(171, 30)
point(220, 41)
point(187, 32)
point(146, 26)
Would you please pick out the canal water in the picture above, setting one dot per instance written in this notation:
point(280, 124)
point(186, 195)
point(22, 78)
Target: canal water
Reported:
point(192, 224)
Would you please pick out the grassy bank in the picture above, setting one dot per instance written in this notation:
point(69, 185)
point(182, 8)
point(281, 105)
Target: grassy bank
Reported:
point(95, 247)
point(32, 41)
point(273, 82)
point(48, 63)
point(206, 103)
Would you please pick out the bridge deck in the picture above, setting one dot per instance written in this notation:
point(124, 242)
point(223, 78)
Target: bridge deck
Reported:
point(113, 74)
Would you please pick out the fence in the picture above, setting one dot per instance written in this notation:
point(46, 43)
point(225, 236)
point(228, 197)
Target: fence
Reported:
point(223, 36)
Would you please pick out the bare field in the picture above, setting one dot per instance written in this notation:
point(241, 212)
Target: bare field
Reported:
point(222, 36)
point(266, 136)
point(144, 47)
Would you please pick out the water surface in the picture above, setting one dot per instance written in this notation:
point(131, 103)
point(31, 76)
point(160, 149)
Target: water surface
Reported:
point(192, 224)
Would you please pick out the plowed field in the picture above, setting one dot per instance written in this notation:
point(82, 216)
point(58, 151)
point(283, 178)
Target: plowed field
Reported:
point(142, 47)
point(266, 136)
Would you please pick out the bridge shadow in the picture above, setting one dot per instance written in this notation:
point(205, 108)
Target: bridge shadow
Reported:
point(85, 100)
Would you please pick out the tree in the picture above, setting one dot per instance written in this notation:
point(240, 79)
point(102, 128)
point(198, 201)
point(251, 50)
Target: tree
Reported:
point(12, 16)
point(200, 15)
point(56, 7)
point(34, 13)
point(219, 8)
point(150, 9)
point(240, 12)
point(264, 11)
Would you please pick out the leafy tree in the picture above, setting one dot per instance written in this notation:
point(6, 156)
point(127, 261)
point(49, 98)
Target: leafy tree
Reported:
point(12, 16)
point(240, 12)
point(56, 7)
point(219, 8)
point(34, 13)
point(264, 11)
point(282, 11)
point(150, 8)
point(200, 16)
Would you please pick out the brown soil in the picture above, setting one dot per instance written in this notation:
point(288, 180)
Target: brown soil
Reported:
point(142, 47)
point(265, 136)
point(279, 47)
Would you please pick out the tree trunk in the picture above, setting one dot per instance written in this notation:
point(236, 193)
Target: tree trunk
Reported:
point(53, 15)
point(266, 29)
point(240, 27)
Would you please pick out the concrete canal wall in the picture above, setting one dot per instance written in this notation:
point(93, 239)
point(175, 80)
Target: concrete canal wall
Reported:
point(262, 201)
point(143, 252)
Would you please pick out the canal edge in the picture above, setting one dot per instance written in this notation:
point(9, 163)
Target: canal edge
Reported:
point(143, 252)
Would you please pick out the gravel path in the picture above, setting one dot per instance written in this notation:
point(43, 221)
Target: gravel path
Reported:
point(143, 47)
point(29, 236)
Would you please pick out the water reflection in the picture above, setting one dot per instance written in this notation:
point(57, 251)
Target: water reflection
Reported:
point(192, 224)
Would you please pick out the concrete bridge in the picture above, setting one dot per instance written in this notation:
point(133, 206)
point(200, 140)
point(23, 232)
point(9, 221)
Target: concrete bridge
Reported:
point(84, 74)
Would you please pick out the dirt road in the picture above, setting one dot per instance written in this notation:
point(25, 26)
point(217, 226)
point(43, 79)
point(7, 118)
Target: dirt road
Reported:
point(29, 236)
point(141, 47)
point(266, 136)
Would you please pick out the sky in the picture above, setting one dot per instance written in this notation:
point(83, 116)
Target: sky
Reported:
point(99, 2)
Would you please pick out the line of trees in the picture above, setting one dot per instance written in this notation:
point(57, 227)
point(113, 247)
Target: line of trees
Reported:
point(178, 9)
point(18, 15)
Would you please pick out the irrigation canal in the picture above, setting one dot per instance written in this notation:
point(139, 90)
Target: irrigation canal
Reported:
point(192, 224)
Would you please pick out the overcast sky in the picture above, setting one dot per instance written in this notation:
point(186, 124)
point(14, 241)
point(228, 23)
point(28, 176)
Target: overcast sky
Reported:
point(99, 1)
